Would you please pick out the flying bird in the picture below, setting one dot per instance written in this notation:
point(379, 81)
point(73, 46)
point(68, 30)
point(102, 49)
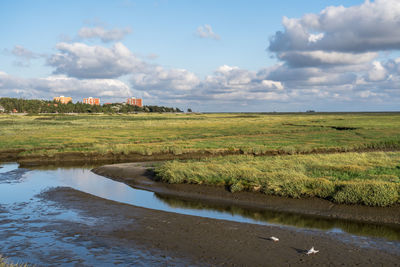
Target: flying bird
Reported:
point(312, 251)
point(273, 238)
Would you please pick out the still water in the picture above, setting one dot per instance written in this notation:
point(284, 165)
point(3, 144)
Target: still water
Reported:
point(23, 215)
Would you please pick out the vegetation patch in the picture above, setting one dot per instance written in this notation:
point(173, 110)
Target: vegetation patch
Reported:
point(371, 179)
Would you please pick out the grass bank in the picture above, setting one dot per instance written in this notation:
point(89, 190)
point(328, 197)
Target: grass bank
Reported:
point(179, 134)
point(371, 179)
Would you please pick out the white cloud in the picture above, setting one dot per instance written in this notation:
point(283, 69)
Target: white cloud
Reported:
point(159, 79)
point(22, 52)
point(331, 57)
point(206, 31)
point(51, 86)
point(313, 38)
point(227, 83)
point(23, 55)
point(377, 73)
point(323, 58)
point(103, 34)
point(83, 61)
point(230, 79)
point(371, 26)
point(334, 54)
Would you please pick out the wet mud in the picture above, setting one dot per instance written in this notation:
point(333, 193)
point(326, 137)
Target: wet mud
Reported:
point(181, 240)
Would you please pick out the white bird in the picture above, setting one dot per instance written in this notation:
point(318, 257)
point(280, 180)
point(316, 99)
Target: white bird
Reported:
point(312, 251)
point(273, 238)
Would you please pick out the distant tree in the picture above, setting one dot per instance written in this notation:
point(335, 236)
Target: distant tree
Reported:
point(189, 110)
point(45, 106)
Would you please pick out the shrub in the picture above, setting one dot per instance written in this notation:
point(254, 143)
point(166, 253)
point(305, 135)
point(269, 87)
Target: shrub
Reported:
point(236, 187)
point(371, 193)
point(293, 188)
point(321, 187)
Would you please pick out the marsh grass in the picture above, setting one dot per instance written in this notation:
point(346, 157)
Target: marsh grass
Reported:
point(148, 134)
point(371, 179)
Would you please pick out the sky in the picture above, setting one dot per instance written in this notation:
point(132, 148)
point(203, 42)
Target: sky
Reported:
point(210, 56)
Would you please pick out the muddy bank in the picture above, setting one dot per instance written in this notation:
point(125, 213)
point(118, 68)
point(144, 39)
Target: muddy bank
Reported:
point(208, 242)
point(17, 155)
point(139, 175)
point(74, 158)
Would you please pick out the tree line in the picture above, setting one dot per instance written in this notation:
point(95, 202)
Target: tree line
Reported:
point(9, 105)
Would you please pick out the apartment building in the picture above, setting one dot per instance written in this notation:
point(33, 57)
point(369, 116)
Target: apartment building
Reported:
point(135, 101)
point(92, 101)
point(63, 99)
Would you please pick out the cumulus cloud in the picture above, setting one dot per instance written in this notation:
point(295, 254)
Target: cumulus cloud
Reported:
point(22, 52)
point(377, 73)
point(227, 83)
point(334, 53)
point(346, 40)
point(334, 56)
point(59, 84)
point(158, 78)
point(206, 31)
point(23, 55)
point(310, 76)
point(371, 26)
point(83, 61)
point(227, 79)
point(103, 34)
point(323, 58)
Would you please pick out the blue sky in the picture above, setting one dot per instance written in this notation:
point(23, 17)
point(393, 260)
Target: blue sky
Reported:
point(207, 55)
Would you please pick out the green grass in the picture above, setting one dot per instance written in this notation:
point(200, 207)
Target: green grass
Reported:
point(341, 178)
point(371, 179)
point(177, 134)
point(5, 263)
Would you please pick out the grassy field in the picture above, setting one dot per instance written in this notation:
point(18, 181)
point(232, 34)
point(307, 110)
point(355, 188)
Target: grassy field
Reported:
point(370, 179)
point(147, 134)
point(353, 178)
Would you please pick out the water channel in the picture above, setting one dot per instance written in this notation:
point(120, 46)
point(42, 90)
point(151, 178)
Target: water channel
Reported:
point(23, 215)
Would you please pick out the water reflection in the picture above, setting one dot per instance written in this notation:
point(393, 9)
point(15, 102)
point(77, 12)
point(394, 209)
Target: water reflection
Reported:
point(291, 219)
point(39, 232)
point(32, 182)
point(7, 167)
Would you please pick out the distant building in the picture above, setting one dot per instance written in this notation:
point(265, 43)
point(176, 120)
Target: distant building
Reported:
point(135, 102)
point(63, 99)
point(92, 101)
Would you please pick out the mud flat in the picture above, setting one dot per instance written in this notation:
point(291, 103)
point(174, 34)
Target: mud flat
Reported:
point(197, 241)
point(139, 175)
